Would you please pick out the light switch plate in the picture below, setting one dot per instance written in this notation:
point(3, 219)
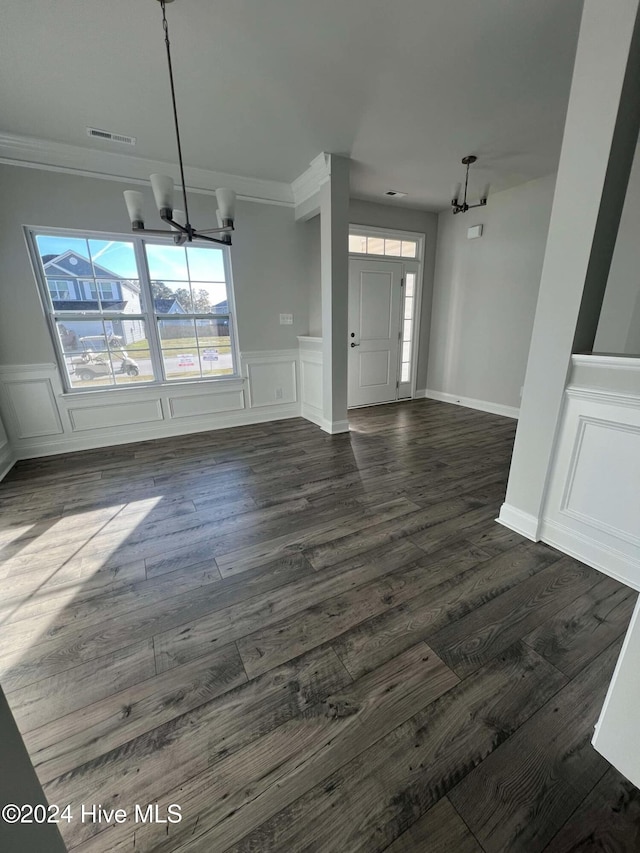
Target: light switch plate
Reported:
point(474, 232)
point(286, 319)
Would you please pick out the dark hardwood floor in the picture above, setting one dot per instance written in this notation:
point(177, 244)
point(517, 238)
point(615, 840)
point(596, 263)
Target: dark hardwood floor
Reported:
point(309, 643)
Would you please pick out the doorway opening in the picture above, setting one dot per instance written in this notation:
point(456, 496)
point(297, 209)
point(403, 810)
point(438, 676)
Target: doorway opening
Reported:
point(385, 290)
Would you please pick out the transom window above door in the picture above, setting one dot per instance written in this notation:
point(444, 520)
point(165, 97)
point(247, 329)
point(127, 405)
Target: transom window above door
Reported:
point(369, 244)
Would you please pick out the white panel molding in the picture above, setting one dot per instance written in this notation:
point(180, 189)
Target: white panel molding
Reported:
point(206, 404)
point(520, 522)
point(471, 403)
point(63, 423)
point(45, 154)
point(592, 507)
point(599, 396)
point(565, 507)
point(114, 415)
point(306, 187)
point(620, 565)
point(311, 381)
point(7, 459)
point(271, 376)
point(31, 407)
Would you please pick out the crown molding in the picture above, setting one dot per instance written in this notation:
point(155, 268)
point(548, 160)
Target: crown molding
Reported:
point(309, 182)
point(75, 159)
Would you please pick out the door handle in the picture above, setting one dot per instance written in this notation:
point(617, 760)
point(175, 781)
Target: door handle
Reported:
point(355, 345)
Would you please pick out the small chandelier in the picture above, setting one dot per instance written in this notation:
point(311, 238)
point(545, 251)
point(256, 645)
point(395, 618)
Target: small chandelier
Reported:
point(162, 185)
point(462, 207)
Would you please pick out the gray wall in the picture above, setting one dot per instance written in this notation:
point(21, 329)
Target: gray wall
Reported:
point(619, 324)
point(19, 784)
point(269, 257)
point(485, 294)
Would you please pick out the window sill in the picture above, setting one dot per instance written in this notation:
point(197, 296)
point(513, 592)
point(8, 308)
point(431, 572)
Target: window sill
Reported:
point(234, 380)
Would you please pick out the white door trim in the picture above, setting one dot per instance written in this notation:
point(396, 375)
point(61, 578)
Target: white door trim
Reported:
point(410, 265)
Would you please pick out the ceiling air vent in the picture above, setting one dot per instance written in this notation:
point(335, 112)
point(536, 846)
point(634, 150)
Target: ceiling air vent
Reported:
point(111, 137)
point(395, 194)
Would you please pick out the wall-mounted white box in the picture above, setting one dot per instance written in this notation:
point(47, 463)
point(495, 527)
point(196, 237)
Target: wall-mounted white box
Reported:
point(474, 232)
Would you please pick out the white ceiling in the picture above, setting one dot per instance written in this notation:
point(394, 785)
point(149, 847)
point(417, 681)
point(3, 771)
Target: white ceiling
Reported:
point(406, 88)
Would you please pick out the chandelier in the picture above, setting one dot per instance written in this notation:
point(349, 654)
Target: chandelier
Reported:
point(181, 228)
point(462, 207)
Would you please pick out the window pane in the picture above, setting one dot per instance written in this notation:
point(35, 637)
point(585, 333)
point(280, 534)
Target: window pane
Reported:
point(104, 352)
point(408, 308)
point(410, 283)
point(205, 264)
point(216, 361)
point(181, 363)
point(210, 297)
point(172, 297)
point(113, 259)
point(167, 262)
point(375, 245)
point(358, 244)
point(406, 332)
point(409, 248)
point(393, 248)
point(406, 351)
point(177, 334)
point(60, 255)
point(405, 373)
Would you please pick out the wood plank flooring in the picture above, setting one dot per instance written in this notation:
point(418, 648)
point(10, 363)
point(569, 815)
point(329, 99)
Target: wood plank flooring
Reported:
point(309, 643)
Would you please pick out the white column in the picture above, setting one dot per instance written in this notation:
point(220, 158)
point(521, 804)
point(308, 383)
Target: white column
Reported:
point(600, 136)
point(334, 273)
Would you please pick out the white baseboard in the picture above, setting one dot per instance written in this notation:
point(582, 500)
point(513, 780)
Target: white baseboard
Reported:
point(311, 413)
point(471, 403)
point(519, 521)
point(163, 429)
point(7, 460)
point(334, 427)
point(616, 564)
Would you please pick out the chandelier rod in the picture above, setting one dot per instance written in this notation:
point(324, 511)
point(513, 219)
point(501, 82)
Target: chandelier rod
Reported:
point(466, 183)
point(165, 27)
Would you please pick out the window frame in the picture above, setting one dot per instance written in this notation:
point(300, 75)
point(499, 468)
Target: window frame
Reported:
point(148, 314)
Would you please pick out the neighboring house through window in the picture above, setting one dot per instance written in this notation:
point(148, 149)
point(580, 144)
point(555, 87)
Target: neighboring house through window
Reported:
point(125, 311)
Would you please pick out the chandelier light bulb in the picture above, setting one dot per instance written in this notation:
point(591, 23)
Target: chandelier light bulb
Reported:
point(162, 186)
point(134, 201)
point(226, 203)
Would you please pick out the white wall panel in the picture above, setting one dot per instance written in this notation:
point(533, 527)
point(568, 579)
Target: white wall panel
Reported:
point(311, 379)
point(272, 379)
point(112, 414)
point(41, 419)
point(592, 509)
point(193, 405)
point(32, 407)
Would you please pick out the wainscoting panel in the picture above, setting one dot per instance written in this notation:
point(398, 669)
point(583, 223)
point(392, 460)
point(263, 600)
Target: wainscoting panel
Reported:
point(311, 380)
point(41, 419)
point(592, 509)
point(272, 378)
point(194, 405)
point(29, 402)
point(112, 414)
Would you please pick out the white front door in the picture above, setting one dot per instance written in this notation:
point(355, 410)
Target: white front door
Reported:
point(375, 296)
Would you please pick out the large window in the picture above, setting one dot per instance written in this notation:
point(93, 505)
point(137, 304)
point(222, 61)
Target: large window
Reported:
point(128, 311)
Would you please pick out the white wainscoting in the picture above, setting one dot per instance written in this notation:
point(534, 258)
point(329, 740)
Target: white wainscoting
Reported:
point(7, 458)
point(41, 419)
point(592, 508)
point(310, 356)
